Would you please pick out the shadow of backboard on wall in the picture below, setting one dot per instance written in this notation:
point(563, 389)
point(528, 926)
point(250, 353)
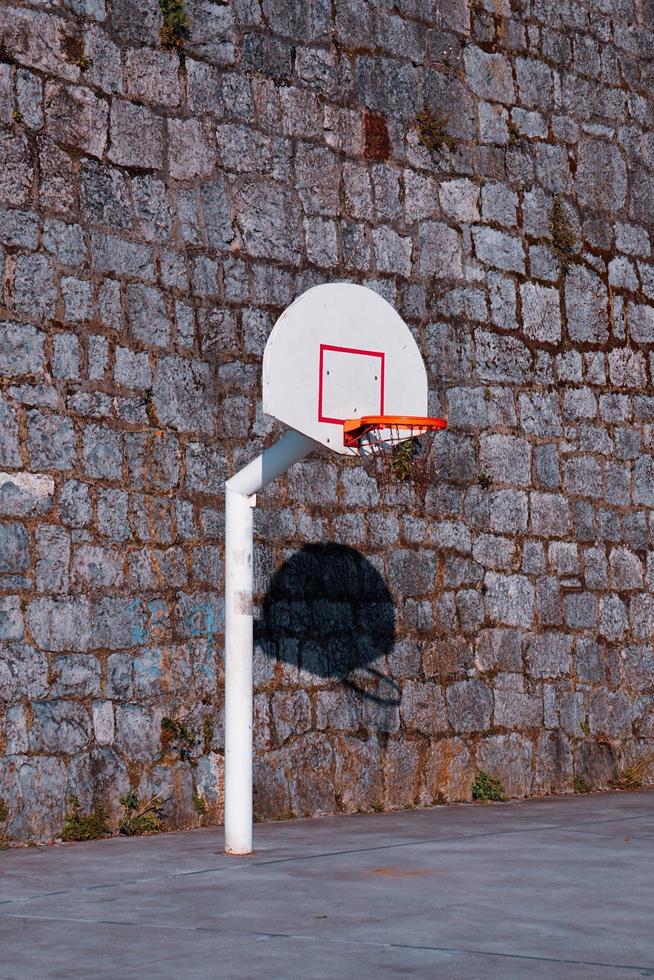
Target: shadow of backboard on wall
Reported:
point(328, 612)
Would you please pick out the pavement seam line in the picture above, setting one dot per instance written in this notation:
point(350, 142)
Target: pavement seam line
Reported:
point(248, 865)
point(342, 942)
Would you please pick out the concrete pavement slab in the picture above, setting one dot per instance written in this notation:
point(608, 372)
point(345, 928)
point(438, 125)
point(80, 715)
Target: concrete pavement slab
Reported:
point(555, 887)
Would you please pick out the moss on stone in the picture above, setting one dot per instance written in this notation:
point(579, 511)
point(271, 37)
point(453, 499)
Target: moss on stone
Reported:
point(563, 234)
point(431, 130)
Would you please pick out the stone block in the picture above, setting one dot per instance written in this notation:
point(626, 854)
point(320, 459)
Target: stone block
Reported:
point(268, 216)
point(11, 618)
point(499, 650)
point(613, 618)
point(16, 169)
point(19, 228)
point(541, 313)
point(137, 136)
point(586, 304)
point(321, 242)
point(509, 599)
point(34, 789)
point(644, 481)
point(548, 654)
point(501, 358)
point(74, 675)
point(459, 199)
point(595, 763)
point(132, 369)
point(115, 623)
point(493, 551)
point(601, 177)
point(267, 55)
point(23, 672)
point(51, 441)
point(506, 459)
point(96, 567)
point(508, 511)
point(25, 494)
point(412, 572)
point(448, 772)
point(309, 762)
point(448, 349)
point(103, 722)
point(291, 712)
point(149, 322)
point(582, 476)
point(517, 710)
point(498, 249)
point(627, 368)
point(622, 274)
point(581, 610)
point(554, 766)
point(52, 558)
point(110, 254)
point(489, 75)
point(507, 758)
point(152, 76)
point(392, 251)
point(103, 452)
point(191, 153)
point(423, 708)
point(183, 394)
point(626, 570)
point(440, 250)
point(34, 290)
point(105, 69)
point(339, 710)
point(76, 117)
point(540, 416)
point(610, 714)
point(137, 733)
point(399, 771)
point(469, 705)
point(77, 295)
point(59, 727)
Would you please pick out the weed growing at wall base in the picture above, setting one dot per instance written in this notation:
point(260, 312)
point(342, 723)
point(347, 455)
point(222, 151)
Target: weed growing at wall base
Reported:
point(78, 826)
point(487, 789)
point(140, 816)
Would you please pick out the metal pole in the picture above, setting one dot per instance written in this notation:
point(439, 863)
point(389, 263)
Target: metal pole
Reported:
point(240, 499)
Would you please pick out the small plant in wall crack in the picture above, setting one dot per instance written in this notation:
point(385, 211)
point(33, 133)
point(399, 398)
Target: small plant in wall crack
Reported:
point(403, 456)
point(175, 25)
point(431, 131)
point(175, 736)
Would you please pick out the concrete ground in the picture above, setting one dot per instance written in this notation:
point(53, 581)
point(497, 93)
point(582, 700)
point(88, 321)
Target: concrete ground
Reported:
point(561, 887)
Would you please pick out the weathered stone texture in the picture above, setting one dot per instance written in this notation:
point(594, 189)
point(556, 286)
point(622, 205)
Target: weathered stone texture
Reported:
point(486, 168)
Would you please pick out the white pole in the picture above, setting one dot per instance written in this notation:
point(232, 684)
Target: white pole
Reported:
point(240, 499)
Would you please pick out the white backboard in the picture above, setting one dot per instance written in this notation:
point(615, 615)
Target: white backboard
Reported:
point(341, 351)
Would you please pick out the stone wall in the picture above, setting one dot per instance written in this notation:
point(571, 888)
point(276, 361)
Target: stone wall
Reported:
point(489, 168)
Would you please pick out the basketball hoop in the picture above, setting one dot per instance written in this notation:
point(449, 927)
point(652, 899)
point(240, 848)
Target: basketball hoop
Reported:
point(375, 434)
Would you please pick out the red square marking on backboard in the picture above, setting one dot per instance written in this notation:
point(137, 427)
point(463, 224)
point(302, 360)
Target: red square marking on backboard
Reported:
point(354, 351)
